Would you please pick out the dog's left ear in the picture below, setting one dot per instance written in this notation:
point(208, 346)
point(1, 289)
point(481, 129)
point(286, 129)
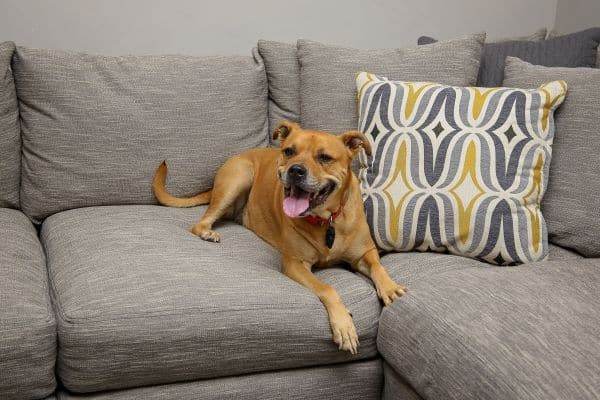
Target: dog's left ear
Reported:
point(355, 140)
point(284, 128)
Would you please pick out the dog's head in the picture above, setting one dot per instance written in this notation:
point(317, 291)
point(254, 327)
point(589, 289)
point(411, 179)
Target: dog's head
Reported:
point(314, 167)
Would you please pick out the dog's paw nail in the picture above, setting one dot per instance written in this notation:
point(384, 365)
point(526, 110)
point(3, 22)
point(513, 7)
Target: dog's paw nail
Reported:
point(210, 236)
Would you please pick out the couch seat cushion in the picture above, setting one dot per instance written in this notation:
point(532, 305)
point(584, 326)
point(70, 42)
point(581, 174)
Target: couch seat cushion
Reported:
point(27, 325)
point(528, 332)
point(141, 301)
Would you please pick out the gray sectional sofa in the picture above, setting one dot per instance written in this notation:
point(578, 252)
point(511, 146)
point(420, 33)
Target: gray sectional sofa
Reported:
point(105, 295)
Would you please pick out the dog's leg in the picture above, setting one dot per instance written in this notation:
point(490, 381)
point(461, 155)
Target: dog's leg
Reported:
point(340, 320)
point(233, 180)
point(370, 266)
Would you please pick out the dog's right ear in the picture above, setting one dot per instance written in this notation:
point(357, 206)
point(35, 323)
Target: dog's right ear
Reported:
point(283, 130)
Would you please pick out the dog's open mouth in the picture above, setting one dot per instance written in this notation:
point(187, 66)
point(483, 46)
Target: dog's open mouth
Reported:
point(298, 201)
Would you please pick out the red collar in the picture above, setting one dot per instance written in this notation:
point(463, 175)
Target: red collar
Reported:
point(316, 220)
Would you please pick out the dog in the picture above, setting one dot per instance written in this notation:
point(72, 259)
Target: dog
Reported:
point(304, 200)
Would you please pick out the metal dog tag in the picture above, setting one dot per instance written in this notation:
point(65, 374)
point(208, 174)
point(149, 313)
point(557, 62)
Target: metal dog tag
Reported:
point(330, 236)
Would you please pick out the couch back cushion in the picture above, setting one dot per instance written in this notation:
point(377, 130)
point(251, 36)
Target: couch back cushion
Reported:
point(536, 36)
point(283, 74)
point(554, 34)
point(327, 75)
point(10, 141)
point(572, 204)
point(94, 128)
point(574, 50)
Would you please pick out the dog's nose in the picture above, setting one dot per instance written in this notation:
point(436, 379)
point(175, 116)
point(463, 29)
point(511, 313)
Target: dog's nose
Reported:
point(297, 171)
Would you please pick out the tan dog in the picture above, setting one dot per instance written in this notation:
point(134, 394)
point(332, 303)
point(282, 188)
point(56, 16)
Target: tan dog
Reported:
point(305, 201)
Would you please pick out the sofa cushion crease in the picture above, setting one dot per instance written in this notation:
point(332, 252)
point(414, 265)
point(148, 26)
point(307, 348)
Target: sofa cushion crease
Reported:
point(414, 267)
point(283, 75)
point(395, 388)
point(10, 134)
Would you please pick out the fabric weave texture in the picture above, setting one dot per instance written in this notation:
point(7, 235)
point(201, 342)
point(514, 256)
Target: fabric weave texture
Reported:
point(10, 134)
point(27, 323)
point(577, 49)
point(327, 75)
point(360, 380)
point(95, 128)
point(141, 301)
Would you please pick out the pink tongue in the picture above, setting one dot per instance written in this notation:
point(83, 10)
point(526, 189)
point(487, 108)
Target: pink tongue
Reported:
point(294, 206)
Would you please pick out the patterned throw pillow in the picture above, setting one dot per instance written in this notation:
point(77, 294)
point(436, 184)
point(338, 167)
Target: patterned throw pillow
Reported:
point(457, 169)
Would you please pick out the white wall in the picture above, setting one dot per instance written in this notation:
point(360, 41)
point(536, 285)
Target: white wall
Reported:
point(575, 15)
point(233, 27)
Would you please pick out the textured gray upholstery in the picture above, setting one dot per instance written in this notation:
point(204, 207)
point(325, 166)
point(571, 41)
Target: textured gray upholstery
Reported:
point(413, 267)
point(394, 387)
point(571, 205)
point(141, 301)
point(358, 380)
point(27, 325)
point(554, 34)
point(327, 75)
point(528, 332)
point(283, 74)
point(95, 128)
point(10, 136)
point(577, 49)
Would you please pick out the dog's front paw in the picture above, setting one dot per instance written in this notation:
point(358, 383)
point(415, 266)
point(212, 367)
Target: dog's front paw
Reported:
point(344, 331)
point(206, 234)
point(388, 291)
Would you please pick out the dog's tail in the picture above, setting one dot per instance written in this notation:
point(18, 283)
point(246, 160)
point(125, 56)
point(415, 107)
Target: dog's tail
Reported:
point(166, 199)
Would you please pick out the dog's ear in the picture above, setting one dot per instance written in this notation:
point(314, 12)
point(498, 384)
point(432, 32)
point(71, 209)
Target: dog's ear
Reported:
point(284, 128)
point(354, 141)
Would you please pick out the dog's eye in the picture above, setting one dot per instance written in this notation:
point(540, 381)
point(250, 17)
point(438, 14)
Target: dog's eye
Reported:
point(324, 158)
point(288, 151)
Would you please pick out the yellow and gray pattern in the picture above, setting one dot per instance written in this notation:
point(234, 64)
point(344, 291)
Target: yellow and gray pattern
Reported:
point(457, 169)
point(571, 204)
